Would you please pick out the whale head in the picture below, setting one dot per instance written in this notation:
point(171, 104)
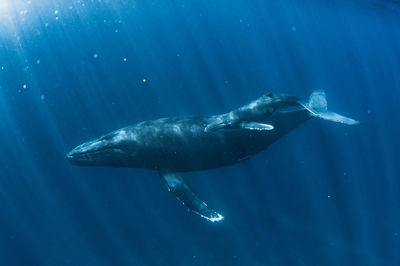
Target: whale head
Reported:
point(115, 149)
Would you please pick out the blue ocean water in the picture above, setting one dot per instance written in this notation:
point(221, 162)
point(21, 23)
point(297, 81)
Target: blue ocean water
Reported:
point(71, 71)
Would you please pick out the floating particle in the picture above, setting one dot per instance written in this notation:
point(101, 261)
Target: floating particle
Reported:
point(369, 111)
point(42, 97)
point(55, 12)
point(329, 196)
point(124, 59)
point(95, 56)
point(37, 62)
point(2, 68)
point(144, 80)
point(116, 30)
point(56, 18)
point(294, 28)
point(24, 86)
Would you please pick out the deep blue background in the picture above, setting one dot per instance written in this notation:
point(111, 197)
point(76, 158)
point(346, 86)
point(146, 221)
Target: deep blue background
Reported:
point(326, 194)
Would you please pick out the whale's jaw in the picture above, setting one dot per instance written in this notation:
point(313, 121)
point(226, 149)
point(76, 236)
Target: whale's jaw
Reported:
point(86, 153)
point(105, 151)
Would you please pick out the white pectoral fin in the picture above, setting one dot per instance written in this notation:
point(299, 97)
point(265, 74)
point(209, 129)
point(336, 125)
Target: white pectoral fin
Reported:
point(318, 106)
point(178, 186)
point(256, 126)
point(241, 125)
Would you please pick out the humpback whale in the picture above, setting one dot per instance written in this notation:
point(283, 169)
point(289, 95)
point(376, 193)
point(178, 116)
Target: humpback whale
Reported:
point(172, 146)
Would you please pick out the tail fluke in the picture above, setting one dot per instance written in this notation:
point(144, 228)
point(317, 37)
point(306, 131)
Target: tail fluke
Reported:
point(318, 106)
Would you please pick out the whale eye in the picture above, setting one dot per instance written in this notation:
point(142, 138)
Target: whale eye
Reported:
point(108, 136)
point(269, 95)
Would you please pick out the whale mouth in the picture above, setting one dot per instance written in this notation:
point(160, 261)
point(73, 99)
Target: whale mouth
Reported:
point(77, 156)
point(73, 155)
point(86, 149)
point(92, 152)
point(92, 157)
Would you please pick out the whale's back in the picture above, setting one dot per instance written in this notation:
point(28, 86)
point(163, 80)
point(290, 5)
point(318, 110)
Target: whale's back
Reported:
point(183, 144)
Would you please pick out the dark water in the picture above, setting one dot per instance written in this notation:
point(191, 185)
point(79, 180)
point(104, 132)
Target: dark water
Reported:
point(326, 194)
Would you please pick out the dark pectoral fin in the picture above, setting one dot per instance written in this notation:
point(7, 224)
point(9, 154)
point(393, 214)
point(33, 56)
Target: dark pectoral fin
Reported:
point(178, 186)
